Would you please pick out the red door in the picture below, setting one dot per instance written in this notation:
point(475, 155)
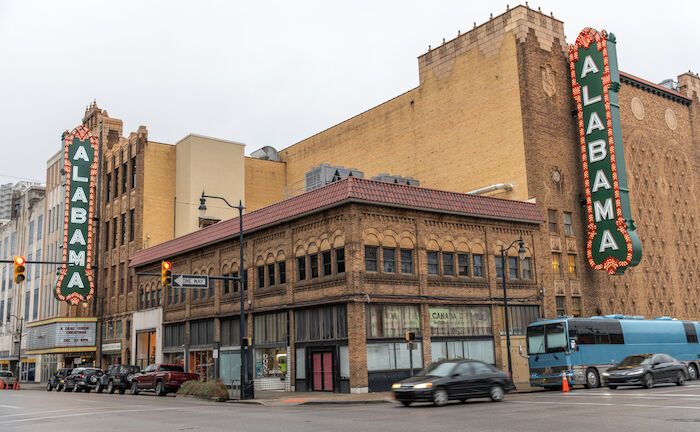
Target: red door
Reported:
point(322, 373)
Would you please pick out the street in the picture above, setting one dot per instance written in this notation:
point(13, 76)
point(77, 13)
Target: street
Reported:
point(665, 408)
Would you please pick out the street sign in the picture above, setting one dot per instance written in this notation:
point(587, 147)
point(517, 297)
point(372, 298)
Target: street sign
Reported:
point(190, 281)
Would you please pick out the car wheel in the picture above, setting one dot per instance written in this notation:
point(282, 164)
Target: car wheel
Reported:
point(159, 389)
point(122, 391)
point(48, 386)
point(406, 403)
point(440, 397)
point(87, 390)
point(496, 393)
point(59, 388)
point(98, 387)
point(66, 389)
point(592, 378)
point(134, 388)
point(680, 379)
point(692, 372)
point(648, 380)
point(612, 387)
point(110, 387)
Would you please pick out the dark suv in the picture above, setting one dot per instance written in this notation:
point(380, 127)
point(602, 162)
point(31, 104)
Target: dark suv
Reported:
point(83, 379)
point(58, 379)
point(118, 377)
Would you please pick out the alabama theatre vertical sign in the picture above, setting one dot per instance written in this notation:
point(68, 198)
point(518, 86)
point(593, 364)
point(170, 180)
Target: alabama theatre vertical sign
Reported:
point(75, 279)
point(612, 244)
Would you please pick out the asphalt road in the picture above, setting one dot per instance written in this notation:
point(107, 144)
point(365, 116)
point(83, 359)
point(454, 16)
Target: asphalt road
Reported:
point(665, 408)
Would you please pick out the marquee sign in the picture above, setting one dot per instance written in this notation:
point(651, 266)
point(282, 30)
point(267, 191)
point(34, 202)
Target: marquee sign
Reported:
point(613, 244)
point(75, 280)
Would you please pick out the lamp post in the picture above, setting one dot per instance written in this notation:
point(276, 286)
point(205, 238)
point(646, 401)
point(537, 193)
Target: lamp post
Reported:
point(521, 256)
point(19, 351)
point(242, 328)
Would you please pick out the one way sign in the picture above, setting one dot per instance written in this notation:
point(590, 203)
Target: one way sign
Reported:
point(190, 281)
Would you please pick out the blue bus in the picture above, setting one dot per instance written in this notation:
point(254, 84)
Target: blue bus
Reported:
point(583, 348)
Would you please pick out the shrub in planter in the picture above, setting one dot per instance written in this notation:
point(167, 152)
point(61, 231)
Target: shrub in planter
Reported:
point(204, 390)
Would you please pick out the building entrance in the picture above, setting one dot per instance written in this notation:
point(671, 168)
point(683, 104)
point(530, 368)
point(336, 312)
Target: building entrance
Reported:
point(322, 371)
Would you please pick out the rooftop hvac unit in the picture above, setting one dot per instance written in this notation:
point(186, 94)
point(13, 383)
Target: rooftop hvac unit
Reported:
point(325, 174)
point(397, 179)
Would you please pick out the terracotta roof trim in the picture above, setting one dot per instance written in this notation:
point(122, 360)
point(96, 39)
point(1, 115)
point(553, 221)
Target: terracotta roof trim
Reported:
point(656, 89)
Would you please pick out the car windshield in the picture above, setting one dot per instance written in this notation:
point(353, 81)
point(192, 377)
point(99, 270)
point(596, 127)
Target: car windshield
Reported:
point(635, 360)
point(535, 339)
point(437, 369)
point(171, 368)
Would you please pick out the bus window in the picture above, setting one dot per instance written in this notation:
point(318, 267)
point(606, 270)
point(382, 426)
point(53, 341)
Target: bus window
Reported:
point(691, 333)
point(535, 340)
point(556, 338)
point(584, 331)
point(615, 331)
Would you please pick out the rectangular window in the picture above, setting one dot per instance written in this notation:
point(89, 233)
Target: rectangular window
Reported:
point(301, 268)
point(236, 283)
point(327, 264)
point(282, 270)
point(107, 236)
point(568, 227)
point(446, 320)
point(556, 264)
point(389, 259)
point(463, 264)
point(39, 227)
point(131, 224)
point(271, 274)
point(513, 270)
point(340, 261)
point(313, 265)
point(691, 335)
point(174, 335)
point(35, 313)
point(448, 264)
point(371, 258)
point(202, 332)
point(561, 305)
point(478, 265)
point(572, 265)
point(116, 182)
point(261, 276)
point(519, 318)
point(230, 331)
point(124, 178)
point(31, 232)
point(407, 261)
point(123, 280)
point(432, 262)
point(133, 172)
point(576, 306)
point(270, 328)
point(108, 187)
point(392, 321)
point(499, 266)
point(552, 218)
point(123, 221)
point(526, 264)
point(114, 232)
point(320, 323)
point(170, 295)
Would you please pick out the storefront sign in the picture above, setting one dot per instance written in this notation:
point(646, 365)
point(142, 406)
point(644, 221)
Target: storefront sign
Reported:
point(75, 281)
point(111, 347)
point(613, 244)
point(61, 334)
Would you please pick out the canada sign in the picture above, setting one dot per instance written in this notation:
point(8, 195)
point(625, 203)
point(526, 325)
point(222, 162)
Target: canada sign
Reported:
point(612, 244)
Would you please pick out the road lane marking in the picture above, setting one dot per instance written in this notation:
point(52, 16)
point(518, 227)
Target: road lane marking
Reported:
point(608, 404)
point(9, 406)
point(84, 413)
point(90, 410)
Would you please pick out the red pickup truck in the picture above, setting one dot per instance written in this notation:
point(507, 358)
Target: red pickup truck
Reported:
point(161, 378)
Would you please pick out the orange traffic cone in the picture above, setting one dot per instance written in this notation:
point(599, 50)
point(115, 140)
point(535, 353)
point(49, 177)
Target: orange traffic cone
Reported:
point(2, 384)
point(564, 382)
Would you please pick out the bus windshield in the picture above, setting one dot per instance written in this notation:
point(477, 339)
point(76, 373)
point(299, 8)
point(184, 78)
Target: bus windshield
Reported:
point(535, 339)
point(556, 338)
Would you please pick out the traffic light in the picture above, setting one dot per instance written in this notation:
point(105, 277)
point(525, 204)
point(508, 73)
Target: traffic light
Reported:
point(247, 341)
point(165, 275)
point(19, 269)
point(410, 336)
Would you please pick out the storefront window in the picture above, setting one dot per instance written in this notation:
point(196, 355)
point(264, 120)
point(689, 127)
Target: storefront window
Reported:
point(270, 362)
point(270, 328)
point(393, 356)
point(392, 321)
point(322, 323)
point(145, 348)
point(460, 321)
point(467, 349)
point(202, 363)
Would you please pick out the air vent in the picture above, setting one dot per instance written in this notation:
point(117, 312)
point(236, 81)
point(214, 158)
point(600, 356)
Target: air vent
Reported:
point(397, 179)
point(325, 174)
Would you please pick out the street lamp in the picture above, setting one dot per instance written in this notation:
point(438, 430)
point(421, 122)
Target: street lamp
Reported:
point(19, 351)
point(244, 350)
point(521, 256)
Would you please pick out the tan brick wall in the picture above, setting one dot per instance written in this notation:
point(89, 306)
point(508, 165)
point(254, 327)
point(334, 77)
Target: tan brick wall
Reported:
point(264, 183)
point(158, 193)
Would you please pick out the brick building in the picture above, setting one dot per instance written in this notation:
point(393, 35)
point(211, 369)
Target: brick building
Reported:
point(337, 275)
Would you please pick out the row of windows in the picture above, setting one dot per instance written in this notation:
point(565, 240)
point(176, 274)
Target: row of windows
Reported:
point(39, 229)
point(575, 306)
point(554, 226)
point(558, 270)
point(113, 190)
point(121, 238)
point(332, 262)
point(515, 268)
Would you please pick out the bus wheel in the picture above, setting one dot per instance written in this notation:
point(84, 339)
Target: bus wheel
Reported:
point(692, 372)
point(592, 378)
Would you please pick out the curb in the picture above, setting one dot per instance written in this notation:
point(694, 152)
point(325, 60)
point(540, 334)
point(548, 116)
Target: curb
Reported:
point(347, 402)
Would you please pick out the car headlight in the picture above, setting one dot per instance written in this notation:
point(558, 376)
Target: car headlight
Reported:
point(606, 374)
point(423, 385)
point(634, 371)
point(396, 386)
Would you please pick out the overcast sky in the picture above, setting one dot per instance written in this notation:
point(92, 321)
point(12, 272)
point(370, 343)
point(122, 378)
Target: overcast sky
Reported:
point(261, 73)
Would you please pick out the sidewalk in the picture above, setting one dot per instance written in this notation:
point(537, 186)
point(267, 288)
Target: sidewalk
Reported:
point(277, 398)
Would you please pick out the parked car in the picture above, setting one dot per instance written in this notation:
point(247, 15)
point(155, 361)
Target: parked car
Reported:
point(161, 378)
point(6, 374)
point(646, 370)
point(58, 379)
point(117, 377)
point(453, 379)
point(83, 379)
